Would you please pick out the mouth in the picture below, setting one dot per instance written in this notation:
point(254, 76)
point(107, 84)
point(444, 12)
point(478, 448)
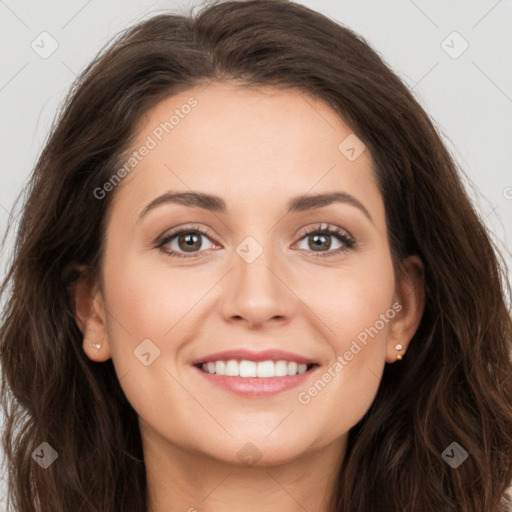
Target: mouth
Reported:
point(255, 374)
point(247, 369)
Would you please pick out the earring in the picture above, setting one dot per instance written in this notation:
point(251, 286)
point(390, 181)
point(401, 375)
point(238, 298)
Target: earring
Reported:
point(97, 346)
point(399, 347)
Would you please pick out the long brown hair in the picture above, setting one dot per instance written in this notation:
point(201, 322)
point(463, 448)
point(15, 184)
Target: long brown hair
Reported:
point(454, 385)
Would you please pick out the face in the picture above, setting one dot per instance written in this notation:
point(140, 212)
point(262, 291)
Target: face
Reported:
point(255, 271)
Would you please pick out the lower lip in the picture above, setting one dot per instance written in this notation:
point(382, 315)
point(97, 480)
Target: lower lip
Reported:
point(256, 386)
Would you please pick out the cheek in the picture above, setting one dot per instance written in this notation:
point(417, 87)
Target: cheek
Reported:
point(362, 313)
point(151, 316)
point(351, 302)
point(150, 299)
point(356, 310)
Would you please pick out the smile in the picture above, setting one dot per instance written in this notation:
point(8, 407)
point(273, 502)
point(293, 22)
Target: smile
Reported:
point(255, 379)
point(261, 369)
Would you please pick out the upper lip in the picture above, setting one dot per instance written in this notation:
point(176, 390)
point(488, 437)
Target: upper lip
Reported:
point(244, 354)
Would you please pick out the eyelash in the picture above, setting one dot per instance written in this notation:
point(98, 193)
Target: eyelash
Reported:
point(342, 235)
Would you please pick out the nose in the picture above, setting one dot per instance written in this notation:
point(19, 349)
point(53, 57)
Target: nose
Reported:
point(256, 293)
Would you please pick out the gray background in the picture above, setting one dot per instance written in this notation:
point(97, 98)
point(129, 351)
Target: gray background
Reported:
point(469, 96)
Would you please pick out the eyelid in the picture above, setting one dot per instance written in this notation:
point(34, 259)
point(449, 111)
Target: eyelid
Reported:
point(328, 228)
point(164, 238)
point(345, 237)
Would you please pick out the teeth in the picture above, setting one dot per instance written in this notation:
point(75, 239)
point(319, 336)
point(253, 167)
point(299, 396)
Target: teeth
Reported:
point(248, 368)
point(281, 369)
point(263, 369)
point(266, 369)
point(220, 367)
point(232, 369)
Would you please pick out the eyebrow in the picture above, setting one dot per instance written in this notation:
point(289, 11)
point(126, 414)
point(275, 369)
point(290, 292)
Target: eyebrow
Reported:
point(216, 204)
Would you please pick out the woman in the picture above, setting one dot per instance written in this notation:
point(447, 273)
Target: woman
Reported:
point(182, 334)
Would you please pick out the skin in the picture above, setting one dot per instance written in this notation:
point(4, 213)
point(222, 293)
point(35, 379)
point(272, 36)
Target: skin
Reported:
point(256, 148)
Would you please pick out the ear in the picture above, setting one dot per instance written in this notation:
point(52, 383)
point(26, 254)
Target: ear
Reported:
point(410, 295)
point(89, 311)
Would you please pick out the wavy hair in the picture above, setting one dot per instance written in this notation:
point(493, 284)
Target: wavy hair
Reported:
point(454, 385)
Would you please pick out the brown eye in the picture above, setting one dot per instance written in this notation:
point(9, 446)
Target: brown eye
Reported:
point(321, 238)
point(185, 243)
point(189, 242)
point(319, 241)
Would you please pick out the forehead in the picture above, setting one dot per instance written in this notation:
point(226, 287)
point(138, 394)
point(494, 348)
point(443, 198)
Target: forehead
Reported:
point(250, 145)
